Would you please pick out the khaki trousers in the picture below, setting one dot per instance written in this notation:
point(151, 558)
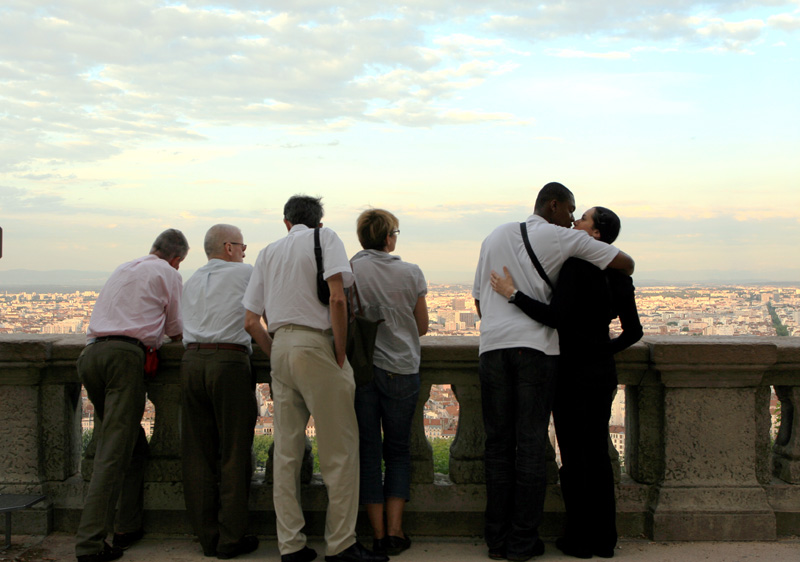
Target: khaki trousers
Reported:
point(306, 380)
point(113, 374)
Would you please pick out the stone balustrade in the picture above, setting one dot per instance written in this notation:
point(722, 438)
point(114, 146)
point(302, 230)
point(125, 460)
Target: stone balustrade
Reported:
point(699, 461)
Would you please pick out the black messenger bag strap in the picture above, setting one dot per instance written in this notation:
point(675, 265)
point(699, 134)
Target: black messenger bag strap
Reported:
point(524, 231)
point(323, 290)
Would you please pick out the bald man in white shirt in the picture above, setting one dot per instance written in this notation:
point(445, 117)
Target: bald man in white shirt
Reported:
point(218, 398)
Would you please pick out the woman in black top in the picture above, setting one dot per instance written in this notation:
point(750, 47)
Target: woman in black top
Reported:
point(585, 301)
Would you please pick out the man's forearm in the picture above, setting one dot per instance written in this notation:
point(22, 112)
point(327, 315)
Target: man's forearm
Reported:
point(339, 327)
point(338, 311)
point(253, 326)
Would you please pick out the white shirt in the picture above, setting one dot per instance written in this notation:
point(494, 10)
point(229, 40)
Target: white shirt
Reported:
point(142, 300)
point(389, 288)
point(284, 280)
point(212, 304)
point(504, 325)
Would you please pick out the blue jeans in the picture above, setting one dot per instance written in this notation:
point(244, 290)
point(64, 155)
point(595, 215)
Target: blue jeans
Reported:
point(517, 388)
point(389, 401)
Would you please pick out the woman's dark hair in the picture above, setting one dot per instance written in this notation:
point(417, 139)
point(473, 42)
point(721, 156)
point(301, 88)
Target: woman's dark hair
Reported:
point(607, 222)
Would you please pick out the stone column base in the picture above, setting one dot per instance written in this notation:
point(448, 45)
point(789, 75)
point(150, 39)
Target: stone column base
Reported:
point(713, 514)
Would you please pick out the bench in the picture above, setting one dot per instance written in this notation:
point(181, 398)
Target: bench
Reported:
point(12, 502)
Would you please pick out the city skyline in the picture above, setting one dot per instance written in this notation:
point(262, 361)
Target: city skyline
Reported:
point(120, 120)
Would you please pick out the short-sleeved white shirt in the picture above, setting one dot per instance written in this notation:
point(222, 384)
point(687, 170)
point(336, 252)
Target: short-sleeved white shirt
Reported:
point(142, 300)
point(504, 325)
point(284, 280)
point(389, 288)
point(212, 304)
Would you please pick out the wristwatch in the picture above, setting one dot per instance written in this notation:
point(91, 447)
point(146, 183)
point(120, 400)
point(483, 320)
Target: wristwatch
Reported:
point(513, 296)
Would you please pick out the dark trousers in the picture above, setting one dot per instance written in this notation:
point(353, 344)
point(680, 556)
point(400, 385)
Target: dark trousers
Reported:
point(113, 374)
point(386, 406)
point(517, 387)
point(580, 415)
point(219, 414)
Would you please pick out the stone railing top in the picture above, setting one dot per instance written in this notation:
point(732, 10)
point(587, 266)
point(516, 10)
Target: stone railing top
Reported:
point(777, 359)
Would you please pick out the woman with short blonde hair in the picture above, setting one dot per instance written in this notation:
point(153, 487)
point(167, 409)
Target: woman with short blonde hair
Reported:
point(393, 290)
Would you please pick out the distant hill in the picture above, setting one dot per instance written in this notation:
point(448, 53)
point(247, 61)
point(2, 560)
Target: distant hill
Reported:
point(22, 279)
point(19, 280)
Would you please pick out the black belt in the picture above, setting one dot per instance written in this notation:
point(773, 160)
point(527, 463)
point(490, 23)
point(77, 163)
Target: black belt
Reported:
point(126, 339)
point(226, 346)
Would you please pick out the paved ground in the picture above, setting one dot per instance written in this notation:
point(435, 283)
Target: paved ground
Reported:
point(58, 547)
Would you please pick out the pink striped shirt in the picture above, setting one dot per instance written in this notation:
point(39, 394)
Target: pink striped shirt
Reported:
point(142, 300)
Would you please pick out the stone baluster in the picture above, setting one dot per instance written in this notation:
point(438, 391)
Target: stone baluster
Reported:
point(786, 459)
point(466, 452)
point(421, 451)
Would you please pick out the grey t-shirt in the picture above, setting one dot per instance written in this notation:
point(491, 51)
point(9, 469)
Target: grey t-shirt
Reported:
point(390, 288)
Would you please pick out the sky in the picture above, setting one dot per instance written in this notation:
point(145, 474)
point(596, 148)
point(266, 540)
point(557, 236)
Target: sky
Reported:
point(119, 119)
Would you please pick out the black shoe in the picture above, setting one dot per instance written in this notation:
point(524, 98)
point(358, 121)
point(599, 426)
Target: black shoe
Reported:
point(570, 548)
point(106, 555)
point(305, 554)
point(357, 553)
point(396, 545)
point(126, 540)
point(379, 547)
point(603, 552)
point(497, 554)
point(537, 550)
point(246, 544)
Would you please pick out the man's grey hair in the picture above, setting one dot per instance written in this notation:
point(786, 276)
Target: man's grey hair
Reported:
point(170, 244)
point(553, 191)
point(216, 237)
point(303, 209)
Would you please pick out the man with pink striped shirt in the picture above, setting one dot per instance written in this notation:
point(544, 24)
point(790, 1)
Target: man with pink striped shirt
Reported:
point(137, 307)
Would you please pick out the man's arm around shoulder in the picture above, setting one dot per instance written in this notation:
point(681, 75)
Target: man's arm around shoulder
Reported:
point(622, 262)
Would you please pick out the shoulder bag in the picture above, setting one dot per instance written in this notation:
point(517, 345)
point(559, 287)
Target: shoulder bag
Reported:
point(361, 336)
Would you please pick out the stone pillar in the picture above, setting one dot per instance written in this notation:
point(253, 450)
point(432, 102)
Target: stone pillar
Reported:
point(712, 410)
point(40, 435)
point(644, 429)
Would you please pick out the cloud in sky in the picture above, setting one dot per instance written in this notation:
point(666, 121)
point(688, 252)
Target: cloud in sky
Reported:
point(82, 81)
point(150, 113)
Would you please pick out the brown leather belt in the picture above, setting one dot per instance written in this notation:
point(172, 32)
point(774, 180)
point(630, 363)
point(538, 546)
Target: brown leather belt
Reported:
point(225, 346)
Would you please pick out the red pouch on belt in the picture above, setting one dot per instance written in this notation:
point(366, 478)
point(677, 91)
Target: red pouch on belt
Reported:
point(151, 362)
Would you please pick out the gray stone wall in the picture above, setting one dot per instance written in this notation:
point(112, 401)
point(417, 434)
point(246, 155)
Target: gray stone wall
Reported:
point(700, 464)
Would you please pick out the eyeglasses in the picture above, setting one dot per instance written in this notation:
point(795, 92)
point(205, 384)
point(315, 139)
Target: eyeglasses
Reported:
point(394, 233)
point(244, 246)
